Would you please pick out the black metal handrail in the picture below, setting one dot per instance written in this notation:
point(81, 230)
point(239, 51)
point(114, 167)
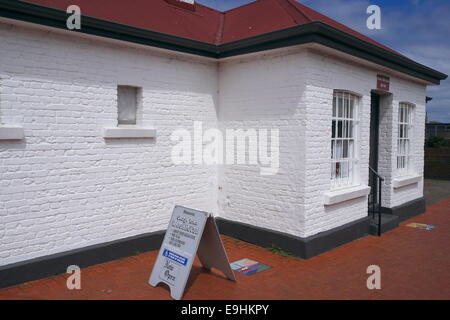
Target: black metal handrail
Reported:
point(375, 196)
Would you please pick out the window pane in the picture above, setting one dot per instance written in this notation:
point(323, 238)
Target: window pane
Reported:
point(339, 149)
point(350, 129)
point(344, 169)
point(333, 170)
point(350, 149)
point(346, 107)
point(340, 106)
point(345, 149)
point(334, 106)
point(333, 147)
point(339, 131)
point(127, 104)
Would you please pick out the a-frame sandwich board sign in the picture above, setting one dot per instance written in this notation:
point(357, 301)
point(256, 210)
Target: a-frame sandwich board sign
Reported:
point(190, 233)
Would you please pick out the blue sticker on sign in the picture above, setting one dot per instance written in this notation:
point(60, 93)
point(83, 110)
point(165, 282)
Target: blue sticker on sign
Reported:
point(175, 257)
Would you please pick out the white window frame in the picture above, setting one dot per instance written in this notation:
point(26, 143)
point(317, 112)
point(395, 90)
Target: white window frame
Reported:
point(405, 120)
point(344, 136)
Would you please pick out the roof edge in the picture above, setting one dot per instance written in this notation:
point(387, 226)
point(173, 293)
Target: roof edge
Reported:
point(33, 13)
point(315, 32)
point(324, 34)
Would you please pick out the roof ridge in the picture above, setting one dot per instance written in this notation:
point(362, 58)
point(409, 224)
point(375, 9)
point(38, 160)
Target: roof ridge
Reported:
point(220, 29)
point(293, 11)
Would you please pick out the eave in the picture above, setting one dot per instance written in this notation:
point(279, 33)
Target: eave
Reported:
point(313, 32)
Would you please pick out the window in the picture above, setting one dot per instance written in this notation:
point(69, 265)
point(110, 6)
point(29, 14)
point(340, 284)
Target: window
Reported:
point(127, 98)
point(404, 137)
point(343, 139)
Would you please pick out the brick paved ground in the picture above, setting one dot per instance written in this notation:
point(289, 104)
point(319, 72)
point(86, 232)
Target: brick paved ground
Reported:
point(415, 264)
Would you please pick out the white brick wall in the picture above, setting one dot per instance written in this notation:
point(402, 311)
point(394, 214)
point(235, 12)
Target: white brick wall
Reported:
point(413, 93)
point(64, 186)
point(326, 73)
point(292, 90)
point(265, 91)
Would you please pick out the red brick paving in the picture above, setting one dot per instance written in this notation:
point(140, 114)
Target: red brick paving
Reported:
point(414, 263)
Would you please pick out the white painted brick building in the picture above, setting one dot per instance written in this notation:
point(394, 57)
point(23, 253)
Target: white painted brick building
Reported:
point(65, 185)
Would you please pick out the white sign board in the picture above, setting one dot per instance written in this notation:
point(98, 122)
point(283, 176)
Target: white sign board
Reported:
point(190, 232)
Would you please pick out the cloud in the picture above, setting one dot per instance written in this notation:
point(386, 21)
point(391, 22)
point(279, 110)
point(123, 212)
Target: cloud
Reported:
point(417, 29)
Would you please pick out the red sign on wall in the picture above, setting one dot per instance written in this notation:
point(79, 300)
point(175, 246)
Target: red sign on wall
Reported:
point(382, 82)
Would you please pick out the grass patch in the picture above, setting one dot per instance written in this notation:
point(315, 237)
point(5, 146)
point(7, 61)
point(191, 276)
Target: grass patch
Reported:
point(277, 250)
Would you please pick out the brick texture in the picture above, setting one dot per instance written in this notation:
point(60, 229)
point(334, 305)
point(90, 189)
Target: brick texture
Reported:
point(64, 186)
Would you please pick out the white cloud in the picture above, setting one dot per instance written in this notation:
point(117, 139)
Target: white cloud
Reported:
point(419, 31)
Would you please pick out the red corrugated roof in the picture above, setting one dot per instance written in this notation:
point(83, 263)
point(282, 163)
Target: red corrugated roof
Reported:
point(317, 16)
point(204, 24)
point(156, 15)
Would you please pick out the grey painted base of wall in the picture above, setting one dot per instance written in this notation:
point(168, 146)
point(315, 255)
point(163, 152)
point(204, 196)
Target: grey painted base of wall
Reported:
point(388, 223)
point(51, 265)
point(407, 210)
point(57, 263)
point(303, 247)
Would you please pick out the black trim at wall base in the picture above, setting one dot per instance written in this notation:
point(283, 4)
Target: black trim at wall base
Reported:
point(303, 247)
point(51, 265)
point(55, 264)
point(407, 210)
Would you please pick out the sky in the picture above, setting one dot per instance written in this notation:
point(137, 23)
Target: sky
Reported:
point(419, 29)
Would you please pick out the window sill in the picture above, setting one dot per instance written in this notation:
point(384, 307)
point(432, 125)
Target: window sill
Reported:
point(337, 196)
point(406, 180)
point(11, 133)
point(128, 132)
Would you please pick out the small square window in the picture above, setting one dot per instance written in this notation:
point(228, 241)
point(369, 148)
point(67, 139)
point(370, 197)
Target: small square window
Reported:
point(127, 100)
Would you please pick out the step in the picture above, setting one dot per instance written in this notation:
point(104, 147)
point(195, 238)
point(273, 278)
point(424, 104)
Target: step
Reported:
point(388, 222)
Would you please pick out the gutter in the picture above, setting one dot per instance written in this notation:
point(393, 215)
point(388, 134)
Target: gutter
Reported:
point(29, 12)
point(312, 32)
